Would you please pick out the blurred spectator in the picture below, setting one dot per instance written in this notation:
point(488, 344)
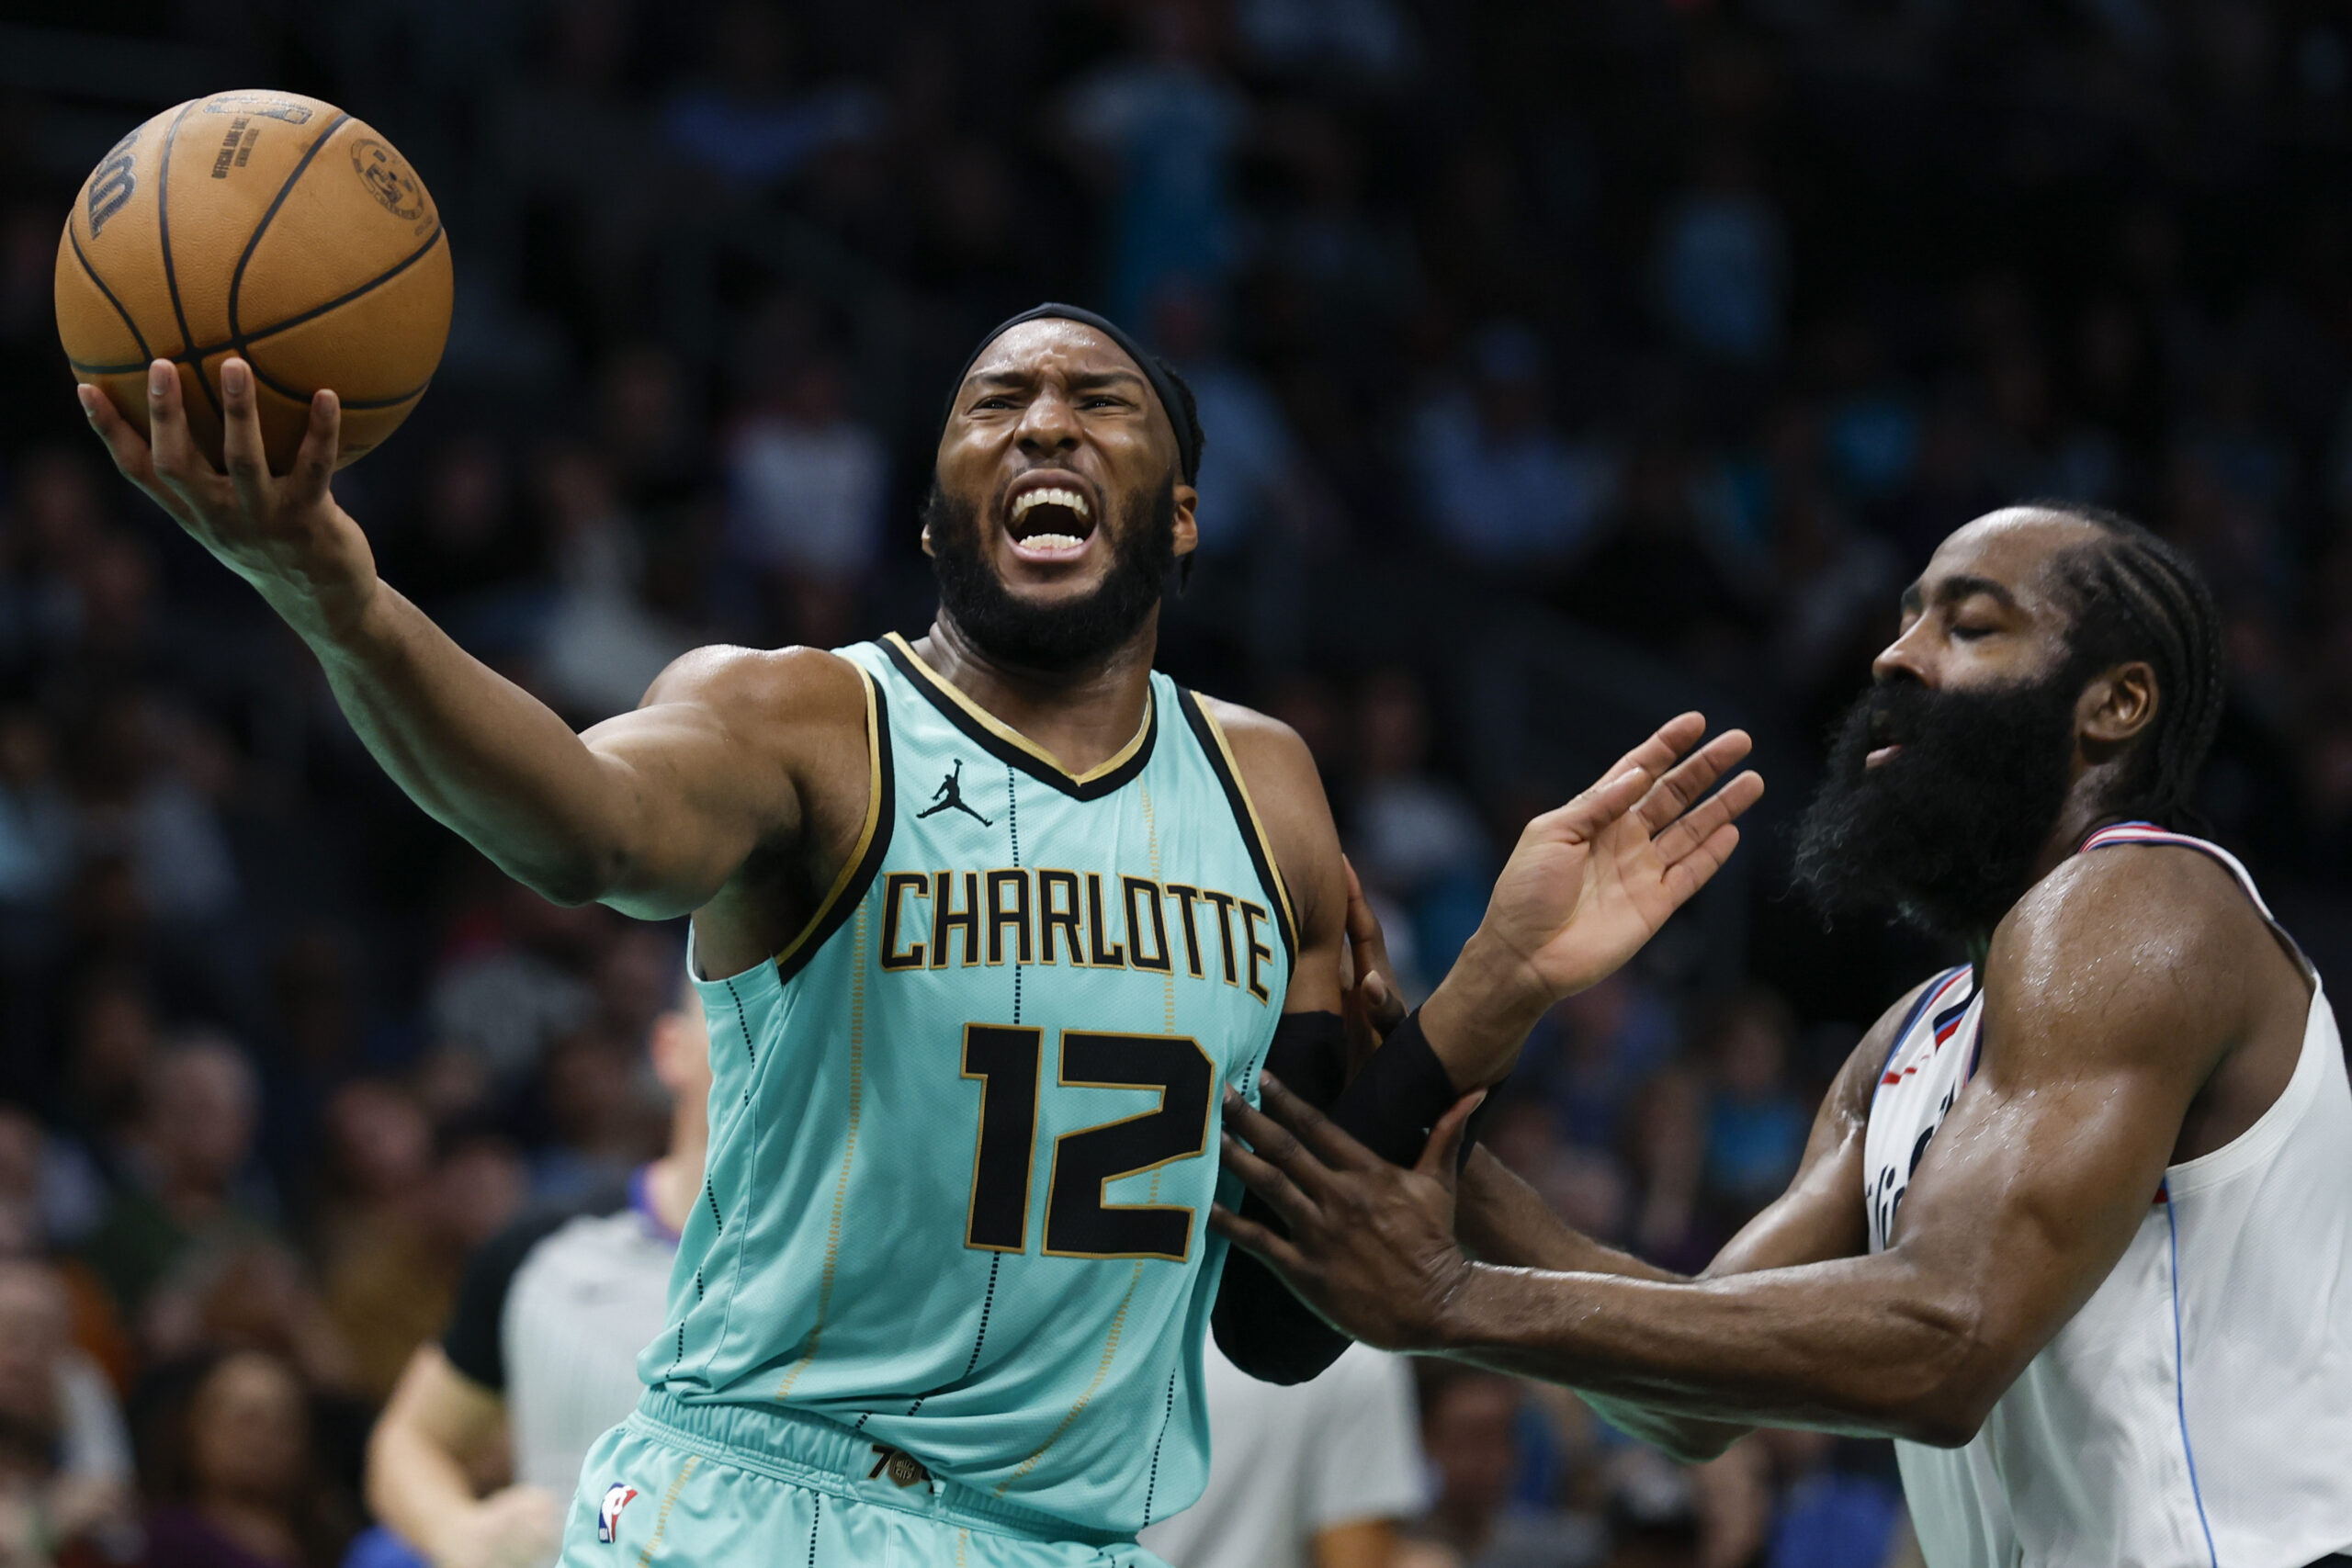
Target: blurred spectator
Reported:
point(1252, 479)
point(1500, 486)
point(807, 488)
point(1368, 41)
point(36, 818)
point(515, 981)
point(235, 1476)
point(190, 1185)
point(65, 1468)
point(745, 124)
point(1415, 838)
point(1721, 262)
point(1757, 1124)
point(600, 648)
point(145, 775)
point(1830, 1516)
point(1470, 1422)
point(1157, 125)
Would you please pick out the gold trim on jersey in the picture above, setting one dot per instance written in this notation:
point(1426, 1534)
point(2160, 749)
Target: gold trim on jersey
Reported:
point(873, 805)
point(1256, 824)
point(1012, 737)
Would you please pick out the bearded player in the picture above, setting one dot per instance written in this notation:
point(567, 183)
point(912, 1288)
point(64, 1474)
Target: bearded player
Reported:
point(2075, 1221)
point(982, 924)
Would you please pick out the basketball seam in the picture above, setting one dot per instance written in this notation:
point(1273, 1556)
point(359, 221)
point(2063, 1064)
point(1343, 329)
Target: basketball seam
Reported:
point(283, 390)
point(237, 279)
point(243, 342)
point(163, 236)
point(136, 336)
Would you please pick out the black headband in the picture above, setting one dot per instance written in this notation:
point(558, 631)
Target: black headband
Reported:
point(1155, 371)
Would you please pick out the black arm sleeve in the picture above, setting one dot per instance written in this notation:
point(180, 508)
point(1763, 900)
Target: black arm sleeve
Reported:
point(1389, 1108)
point(1261, 1327)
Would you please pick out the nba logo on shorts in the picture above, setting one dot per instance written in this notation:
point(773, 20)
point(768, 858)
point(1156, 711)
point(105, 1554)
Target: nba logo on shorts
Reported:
point(608, 1513)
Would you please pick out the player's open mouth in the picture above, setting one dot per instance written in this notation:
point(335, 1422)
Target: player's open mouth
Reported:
point(1048, 518)
point(1880, 755)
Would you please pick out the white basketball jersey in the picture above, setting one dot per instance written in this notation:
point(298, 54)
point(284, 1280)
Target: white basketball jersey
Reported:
point(2196, 1412)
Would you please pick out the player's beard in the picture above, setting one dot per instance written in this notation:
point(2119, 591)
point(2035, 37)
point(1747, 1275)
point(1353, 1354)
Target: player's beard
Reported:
point(1946, 832)
point(1072, 633)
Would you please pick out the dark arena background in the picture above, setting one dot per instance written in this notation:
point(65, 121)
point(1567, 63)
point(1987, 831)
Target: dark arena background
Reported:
point(1561, 366)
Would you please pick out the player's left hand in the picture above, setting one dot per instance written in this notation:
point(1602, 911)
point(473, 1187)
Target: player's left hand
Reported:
point(1588, 885)
point(1370, 1244)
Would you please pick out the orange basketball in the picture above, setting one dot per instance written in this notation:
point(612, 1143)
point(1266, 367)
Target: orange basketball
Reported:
point(267, 225)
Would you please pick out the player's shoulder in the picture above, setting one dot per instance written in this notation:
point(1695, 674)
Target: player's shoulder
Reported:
point(1273, 757)
point(2149, 907)
point(788, 684)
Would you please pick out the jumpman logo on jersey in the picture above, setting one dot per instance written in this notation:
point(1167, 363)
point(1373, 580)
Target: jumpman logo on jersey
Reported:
point(950, 796)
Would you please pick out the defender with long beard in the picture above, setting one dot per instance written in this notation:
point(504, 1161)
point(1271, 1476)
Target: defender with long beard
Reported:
point(2074, 1224)
point(984, 923)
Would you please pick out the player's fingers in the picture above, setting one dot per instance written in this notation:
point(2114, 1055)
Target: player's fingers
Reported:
point(124, 444)
point(321, 441)
point(178, 463)
point(241, 445)
point(1325, 1139)
point(1694, 826)
point(1693, 871)
point(1667, 743)
point(1688, 782)
point(1441, 1156)
point(1260, 1241)
point(1268, 1181)
point(1275, 1144)
point(1582, 819)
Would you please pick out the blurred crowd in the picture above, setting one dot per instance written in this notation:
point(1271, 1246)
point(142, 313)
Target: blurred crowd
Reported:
point(1677, 331)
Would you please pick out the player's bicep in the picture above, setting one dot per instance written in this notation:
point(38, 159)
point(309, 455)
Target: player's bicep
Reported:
point(1280, 774)
point(690, 817)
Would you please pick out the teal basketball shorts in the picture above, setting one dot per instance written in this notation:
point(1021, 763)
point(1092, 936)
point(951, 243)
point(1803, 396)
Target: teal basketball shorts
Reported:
point(720, 1485)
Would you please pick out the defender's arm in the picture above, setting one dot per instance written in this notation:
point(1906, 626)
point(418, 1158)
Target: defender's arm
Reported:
point(651, 812)
point(2117, 986)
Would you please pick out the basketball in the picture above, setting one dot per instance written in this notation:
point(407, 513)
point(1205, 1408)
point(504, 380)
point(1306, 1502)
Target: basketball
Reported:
point(267, 225)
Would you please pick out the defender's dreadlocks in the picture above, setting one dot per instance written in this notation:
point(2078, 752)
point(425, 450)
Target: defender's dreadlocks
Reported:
point(2136, 596)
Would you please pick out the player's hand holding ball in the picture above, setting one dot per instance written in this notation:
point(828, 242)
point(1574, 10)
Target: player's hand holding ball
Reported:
point(1587, 886)
point(225, 264)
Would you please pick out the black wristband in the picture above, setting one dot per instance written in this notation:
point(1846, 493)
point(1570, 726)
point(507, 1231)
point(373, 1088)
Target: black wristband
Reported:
point(1402, 1093)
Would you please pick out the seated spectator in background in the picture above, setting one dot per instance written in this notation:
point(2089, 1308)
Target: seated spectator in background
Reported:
point(254, 1294)
point(233, 1476)
point(1252, 478)
point(806, 484)
point(744, 124)
point(1829, 1516)
point(190, 1183)
point(540, 1353)
point(391, 1293)
point(1720, 274)
point(516, 976)
point(1470, 1426)
point(600, 648)
point(36, 817)
point(1757, 1125)
point(65, 1470)
point(1415, 838)
point(147, 776)
point(1502, 488)
point(1316, 1474)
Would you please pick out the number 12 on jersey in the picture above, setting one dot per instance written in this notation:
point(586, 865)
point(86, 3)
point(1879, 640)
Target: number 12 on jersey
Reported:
point(1009, 1062)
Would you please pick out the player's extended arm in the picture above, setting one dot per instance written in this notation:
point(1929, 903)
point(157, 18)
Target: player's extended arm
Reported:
point(2114, 990)
point(1500, 1219)
point(436, 1422)
point(651, 812)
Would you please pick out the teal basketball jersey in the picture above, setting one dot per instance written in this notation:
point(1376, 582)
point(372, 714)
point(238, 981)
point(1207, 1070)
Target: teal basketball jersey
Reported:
point(963, 1130)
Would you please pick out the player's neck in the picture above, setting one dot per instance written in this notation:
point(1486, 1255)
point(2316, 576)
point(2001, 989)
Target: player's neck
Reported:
point(1082, 717)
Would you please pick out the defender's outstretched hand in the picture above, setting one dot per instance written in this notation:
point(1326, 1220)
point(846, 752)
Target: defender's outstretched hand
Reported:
point(1587, 886)
point(284, 534)
point(1369, 1246)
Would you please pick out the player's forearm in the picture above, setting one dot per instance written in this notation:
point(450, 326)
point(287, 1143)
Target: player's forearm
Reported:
point(1500, 1219)
point(479, 754)
point(1855, 1345)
